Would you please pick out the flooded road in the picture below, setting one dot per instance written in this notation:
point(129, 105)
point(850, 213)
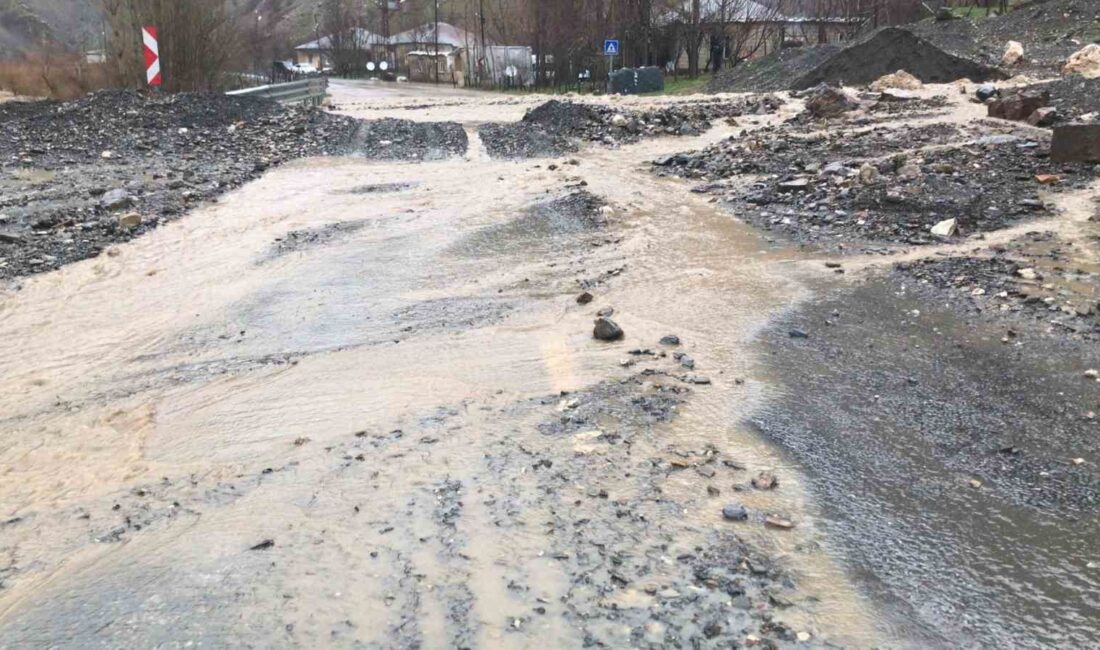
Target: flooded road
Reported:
point(357, 404)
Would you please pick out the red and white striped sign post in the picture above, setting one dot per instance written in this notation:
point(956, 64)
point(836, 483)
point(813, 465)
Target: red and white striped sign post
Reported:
point(152, 55)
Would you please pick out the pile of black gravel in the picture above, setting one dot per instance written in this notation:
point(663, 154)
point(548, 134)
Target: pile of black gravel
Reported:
point(556, 127)
point(1073, 96)
point(773, 72)
point(392, 139)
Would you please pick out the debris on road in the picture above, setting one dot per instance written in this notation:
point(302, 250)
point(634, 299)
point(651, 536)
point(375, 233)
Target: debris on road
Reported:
point(607, 330)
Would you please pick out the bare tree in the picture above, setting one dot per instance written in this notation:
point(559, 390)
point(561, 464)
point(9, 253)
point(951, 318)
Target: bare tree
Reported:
point(199, 43)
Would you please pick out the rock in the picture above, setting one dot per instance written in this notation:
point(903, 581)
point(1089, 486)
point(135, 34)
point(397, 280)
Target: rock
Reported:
point(795, 185)
point(607, 330)
point(985, 92)
point(1014, 51)
point(107, 155)
point(1044, 116)
point(775, 521)
point(606, 312)
point(945, 228)
point(1085, 62)
point(116, 200)
point(735, 512)
point(1019, 105)
point(584, 298)
point(828, 101)
point(975, 483)
point(263, 546)
point(1028, 274)
point(1047, 179)
point(944, 14)
point(868, 173)
point(765, 481)
point(910, 172)
point(619, 120)
point(798, 334)
point(130, 220)
point(670, 339)
point(1092, 373)
point(687, 362)
point(10, 238)
point(1076, 143)
point(900, 80)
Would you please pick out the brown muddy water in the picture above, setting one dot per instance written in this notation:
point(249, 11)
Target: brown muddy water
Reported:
point(324, 411)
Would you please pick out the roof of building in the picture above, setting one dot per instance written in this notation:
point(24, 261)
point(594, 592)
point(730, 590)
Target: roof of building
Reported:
point(743, 11)
point(425, 34)
point(363, 36)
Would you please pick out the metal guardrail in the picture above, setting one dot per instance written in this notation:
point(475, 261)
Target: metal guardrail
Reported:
point(307, 91)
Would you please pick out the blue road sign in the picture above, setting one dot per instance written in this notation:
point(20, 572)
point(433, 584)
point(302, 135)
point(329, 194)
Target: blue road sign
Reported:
point(611, 47)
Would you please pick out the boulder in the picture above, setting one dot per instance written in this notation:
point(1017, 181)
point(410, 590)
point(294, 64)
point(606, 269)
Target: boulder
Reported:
point(985, 92)
point(1076, 143)
point(1019, 105)
point(1014, 51)
point(129, 221)
point(900, 80)
point(829, 101)
point(946, 228)
point(116, 199)
point(1085, 62)
point(607, 330)
point(1043, 117)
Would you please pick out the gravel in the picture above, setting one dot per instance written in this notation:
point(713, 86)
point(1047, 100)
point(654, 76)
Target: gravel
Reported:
point(556, 127)
point(72, 170)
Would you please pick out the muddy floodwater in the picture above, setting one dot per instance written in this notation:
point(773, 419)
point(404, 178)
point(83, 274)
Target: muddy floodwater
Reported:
point(358, 404)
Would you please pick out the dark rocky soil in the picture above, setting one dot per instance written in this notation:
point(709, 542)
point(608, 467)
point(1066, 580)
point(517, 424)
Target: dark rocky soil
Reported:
point(1050, 31)
point(69, 171)
point(933, 445)
point(881, 185)
point(1074, 97)
point(557, 127)
point(1035, 284)
point(392, 139)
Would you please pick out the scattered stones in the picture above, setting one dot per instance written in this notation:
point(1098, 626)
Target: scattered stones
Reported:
point(607, 330)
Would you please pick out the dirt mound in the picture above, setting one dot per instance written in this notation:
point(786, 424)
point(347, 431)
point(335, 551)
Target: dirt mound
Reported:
point(392, 139)
point(564, 117)
point(893, 49)
point(773, 72)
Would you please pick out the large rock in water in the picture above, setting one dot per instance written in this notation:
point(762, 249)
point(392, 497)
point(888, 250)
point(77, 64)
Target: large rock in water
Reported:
point(893, 49)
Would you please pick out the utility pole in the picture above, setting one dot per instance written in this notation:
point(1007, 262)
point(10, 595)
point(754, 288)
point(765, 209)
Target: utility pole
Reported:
point(484, 63)
point(436, 57)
